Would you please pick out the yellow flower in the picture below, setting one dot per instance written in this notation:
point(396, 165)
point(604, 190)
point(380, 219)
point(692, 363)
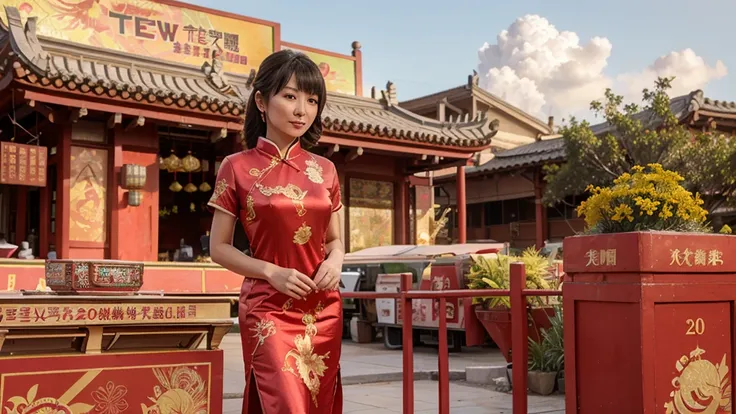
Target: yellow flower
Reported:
point(622, 212)
point(656, 193)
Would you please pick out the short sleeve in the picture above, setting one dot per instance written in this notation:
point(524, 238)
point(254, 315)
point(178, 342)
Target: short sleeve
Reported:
point(224, 197)
point(335, 195)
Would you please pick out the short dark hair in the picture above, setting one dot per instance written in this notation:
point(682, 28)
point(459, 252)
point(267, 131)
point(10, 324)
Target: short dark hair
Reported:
point(273, 75)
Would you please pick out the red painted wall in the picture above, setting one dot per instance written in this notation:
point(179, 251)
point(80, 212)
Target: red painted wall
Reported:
point(134, 230)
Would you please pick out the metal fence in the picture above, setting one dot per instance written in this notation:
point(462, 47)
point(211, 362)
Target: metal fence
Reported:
point(519, 331)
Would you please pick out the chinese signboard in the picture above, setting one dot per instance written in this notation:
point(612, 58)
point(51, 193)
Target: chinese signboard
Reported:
point(156, 30)
point(339, 72)
point(22, 164)
point(113, 383)
point(106, 314)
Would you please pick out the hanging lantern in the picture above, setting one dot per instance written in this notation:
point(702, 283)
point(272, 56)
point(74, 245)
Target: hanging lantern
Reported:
point(190, 188)
point(173, 163)
point(190, 163)
point(133, 176)
point(133, 179)
point(175, 186)
point(205, 187)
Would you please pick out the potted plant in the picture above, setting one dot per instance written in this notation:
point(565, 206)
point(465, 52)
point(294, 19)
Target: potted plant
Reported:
point(542, 367)
point(555, 342)
point(494, 313)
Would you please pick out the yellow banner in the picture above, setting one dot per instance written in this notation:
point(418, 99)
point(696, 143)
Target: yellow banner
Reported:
point(152, 29)
point(339, 72)
point(18, 315)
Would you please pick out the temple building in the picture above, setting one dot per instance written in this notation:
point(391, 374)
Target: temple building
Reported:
point(118, 123)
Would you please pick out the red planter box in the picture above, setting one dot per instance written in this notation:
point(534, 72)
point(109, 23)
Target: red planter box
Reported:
point(497, 322)
point(649, 322)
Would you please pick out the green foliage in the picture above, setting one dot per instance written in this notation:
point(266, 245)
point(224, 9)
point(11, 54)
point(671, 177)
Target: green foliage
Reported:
point(548, 355)
point(656, 136)
point(494, 273)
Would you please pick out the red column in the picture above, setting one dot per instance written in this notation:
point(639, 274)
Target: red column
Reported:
point(462, 231)
point(44, 231)
point(22, 212)
point(539, 216)
point(402, 208)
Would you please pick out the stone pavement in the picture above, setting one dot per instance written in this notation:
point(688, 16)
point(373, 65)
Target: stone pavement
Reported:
point(363, 363)
point(464, 399)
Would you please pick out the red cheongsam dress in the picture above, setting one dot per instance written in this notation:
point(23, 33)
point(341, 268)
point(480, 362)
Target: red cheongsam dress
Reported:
point(291, 348)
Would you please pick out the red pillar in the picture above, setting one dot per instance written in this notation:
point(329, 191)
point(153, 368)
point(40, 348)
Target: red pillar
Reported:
point(540, 218)
point(402, 208)
point(44, 231)
point(22, 212)
point(462, 231)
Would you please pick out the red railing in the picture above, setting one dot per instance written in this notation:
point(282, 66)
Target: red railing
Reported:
point(519, 331)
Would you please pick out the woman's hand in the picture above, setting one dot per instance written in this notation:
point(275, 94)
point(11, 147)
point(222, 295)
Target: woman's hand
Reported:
point(292, 283)
point(327, 276)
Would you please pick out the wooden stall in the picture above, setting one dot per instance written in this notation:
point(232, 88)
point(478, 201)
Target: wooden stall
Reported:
point(95, 342)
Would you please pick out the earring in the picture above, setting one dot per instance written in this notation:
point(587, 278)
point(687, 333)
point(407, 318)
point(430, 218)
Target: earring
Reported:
point(263, 117)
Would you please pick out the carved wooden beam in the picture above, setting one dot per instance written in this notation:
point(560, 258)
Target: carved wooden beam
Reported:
point(43, 110)
point(115, 119)
point(332, 150)
point(354, 153)
point(74, 116)
point(137, 122)
point(23, 112)
point(218, 135)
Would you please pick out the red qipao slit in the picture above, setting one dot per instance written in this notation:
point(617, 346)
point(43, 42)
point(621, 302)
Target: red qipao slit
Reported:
point(291, 348)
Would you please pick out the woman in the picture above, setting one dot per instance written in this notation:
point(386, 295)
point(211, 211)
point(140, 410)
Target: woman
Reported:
point(287, 199)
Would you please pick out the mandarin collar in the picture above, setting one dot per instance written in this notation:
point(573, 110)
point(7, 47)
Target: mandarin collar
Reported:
point(268, 147)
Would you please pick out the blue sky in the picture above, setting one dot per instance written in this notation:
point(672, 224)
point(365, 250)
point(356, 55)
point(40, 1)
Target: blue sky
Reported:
point(426, 46)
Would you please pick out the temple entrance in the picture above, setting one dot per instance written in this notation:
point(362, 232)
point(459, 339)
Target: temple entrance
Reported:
point(188, 163)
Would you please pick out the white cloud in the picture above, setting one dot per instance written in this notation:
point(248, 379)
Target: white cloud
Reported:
point(545, 71)
point(690, 70)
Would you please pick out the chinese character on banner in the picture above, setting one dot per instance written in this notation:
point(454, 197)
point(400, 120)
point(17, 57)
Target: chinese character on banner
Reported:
point(187, 49)
point(216, 35)
point(191, 33)
point(177, 47)
point(22, 164)
point(195, 51)
point(232, 42)
point(202, 36)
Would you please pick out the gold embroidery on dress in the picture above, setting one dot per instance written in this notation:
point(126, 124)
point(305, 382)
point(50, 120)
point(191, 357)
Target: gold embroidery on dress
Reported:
point(302, 235)
point(263, 329)
point(309, 366)
point(314, 172)
point(220, 188)
point(291, 191)
point(287, 305)
point(249, 206)
point(255, 172)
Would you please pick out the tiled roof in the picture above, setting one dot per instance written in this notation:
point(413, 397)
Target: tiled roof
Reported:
point(345, 113)
point(40, 64)
point(536, 153)
point(553, 150)
point(72, 67)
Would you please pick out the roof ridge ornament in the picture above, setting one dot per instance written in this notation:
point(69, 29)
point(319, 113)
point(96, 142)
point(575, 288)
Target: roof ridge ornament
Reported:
point(473, 80)
point(215, 73)
point(389, 95)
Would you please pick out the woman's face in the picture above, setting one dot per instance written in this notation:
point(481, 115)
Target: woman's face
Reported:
point(289, 113)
